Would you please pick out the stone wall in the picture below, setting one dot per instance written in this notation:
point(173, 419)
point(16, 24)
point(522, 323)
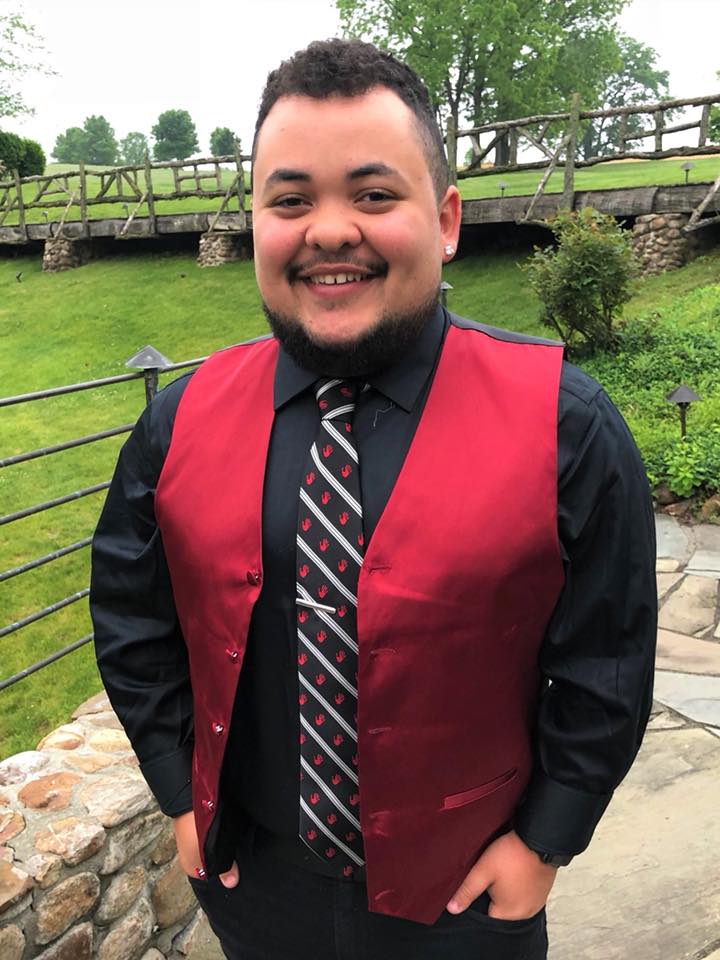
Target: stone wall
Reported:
point(218, 248)
point(659, 243)
point(88, 865)
point(63, 254)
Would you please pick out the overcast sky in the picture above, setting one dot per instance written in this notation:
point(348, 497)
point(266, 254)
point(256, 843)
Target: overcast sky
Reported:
point(147, 56)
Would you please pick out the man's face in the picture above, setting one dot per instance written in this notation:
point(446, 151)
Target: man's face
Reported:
point(348, 232)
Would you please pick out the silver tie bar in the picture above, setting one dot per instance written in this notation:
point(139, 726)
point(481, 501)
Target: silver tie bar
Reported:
point(314, 606)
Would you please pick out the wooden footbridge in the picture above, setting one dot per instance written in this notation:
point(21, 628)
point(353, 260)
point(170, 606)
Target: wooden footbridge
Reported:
point(209, 195)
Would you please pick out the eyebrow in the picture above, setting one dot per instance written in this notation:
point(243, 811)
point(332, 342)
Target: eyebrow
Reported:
point(287, 174)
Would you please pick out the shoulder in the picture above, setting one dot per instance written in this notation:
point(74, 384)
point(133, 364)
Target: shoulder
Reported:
point(498, 333)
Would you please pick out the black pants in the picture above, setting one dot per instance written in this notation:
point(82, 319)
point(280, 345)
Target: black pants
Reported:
point(280, 911)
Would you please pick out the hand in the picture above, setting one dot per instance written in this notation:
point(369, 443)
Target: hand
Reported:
point(515, 877)
point(188, 850)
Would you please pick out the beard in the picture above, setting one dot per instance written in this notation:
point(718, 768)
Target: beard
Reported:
point(386, 342)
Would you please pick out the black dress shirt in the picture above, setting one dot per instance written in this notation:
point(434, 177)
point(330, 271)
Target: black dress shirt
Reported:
point(596, 657)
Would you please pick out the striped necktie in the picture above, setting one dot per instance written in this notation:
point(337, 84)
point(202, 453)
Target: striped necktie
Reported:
point(330, 547)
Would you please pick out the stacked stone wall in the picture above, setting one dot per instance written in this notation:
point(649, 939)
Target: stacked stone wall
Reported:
point(218, 248)
point(88, 864)
point(63, 254)
point(660, 244)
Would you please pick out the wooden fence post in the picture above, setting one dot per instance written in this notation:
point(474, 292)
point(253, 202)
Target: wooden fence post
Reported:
point(150, 198)
point(704, 125)
point(451, 148)
point(21, 206)
point(573, 127)
point(240, 186)
point(659, 119)
point(83, 200)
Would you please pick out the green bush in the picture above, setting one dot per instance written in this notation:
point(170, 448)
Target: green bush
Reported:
point(652, 356)
point(584, 280)
point(12, 150)
point(33, 161)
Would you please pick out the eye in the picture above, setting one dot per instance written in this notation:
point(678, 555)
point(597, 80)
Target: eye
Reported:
point(288, 203)
point(376, 196)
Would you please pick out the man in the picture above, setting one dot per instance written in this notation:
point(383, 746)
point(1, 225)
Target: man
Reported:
point(377, 589)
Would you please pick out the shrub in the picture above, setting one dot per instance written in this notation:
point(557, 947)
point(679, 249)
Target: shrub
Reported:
point(33, 161)
point(584, 280)
point(12, 151)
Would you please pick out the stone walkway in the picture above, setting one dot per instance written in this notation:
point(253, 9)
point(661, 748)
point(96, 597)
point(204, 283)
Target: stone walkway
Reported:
point(648, 888)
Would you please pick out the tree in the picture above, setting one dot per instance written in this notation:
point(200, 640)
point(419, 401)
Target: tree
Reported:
point(12, 151)
point(100, 143)
point(584, 281)
point(175, 136)
point(637, 80)
point(34, 161)
point(70, 147)
point(494, 61)
point(222, 142)
point(133, 147)
point(20, 52)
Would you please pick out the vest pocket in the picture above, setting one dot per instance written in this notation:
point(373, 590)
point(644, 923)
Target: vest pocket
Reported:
point(476, 793)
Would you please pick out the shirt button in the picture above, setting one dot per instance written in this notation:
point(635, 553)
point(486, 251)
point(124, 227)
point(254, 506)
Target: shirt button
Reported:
point(218, 729)
point(254, 577)
point(232, 655)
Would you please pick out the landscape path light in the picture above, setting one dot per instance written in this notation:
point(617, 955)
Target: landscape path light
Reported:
point(503, 187)
point(151, 362)
point(444, 287)
point(683, 396)
point(687, 167)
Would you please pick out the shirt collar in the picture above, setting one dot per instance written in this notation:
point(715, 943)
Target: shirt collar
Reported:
point(401, 383)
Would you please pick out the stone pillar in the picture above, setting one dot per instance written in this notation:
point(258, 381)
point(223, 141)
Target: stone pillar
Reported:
point(60, 253)
point(218, 248)
point(88, 865)
point(659, 243)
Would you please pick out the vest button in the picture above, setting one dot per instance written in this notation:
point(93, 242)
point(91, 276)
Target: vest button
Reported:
point(254, 577)
point(232, 655)
point(209, 805)
point(218, 729)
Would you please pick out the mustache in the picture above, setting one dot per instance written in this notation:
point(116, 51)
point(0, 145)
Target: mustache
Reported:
point(377, 268)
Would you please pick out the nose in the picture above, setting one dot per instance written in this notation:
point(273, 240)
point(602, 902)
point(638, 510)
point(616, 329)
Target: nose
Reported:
point(333, 226)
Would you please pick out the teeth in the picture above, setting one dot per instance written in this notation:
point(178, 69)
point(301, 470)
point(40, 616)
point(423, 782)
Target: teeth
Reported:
point(335, 278)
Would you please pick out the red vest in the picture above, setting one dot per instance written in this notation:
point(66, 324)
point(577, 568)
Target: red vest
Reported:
point(458, 583)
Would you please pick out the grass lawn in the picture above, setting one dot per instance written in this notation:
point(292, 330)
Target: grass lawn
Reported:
point(606, 176)
point(83, 324)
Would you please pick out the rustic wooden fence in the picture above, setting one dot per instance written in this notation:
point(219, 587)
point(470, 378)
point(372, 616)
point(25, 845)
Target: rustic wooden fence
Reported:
point(130, 187)
point(556, 136)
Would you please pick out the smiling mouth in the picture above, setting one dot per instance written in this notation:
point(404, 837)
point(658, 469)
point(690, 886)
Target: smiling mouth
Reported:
point(338, 279)
point(342, 274)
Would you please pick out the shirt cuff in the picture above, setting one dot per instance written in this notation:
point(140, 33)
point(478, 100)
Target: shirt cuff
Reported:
point(554, 818)
point(170, 779)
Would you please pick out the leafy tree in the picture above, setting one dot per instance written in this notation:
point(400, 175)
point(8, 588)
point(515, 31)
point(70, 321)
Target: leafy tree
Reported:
point(637, 80)
point(33, 161)
point(493, 61)
point(70, 147)
point(175, 136)
point(133, 147)
point(20, 53)
point(100, 143)
point(585, 279)
point(12, 151)
point(222, 142)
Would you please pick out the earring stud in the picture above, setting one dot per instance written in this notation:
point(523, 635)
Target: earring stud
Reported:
point(449, 250)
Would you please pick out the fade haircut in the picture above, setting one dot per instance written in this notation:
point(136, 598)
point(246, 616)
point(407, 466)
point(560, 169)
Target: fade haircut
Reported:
point(349, 68)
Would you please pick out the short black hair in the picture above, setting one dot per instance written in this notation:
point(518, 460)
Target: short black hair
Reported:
point(349, 68)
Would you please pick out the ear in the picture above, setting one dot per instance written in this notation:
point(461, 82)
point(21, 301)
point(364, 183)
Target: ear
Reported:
point(450, 214)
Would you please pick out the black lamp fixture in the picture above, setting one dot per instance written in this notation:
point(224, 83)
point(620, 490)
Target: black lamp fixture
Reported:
point(683, 396)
